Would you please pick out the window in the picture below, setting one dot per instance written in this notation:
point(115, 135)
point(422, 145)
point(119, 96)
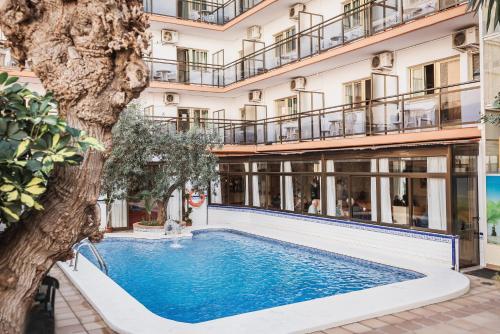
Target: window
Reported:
point(198, 5)
point(437, 74)
point(286, 106)
point(357, 91)
point(475, 64)
point(198, 57)
point(289, 45)
point(352, 13)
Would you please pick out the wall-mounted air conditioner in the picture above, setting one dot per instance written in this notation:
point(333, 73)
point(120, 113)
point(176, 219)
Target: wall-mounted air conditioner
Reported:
point(255, 96)
point(171, 99)
point(383, 61)
point(169, 36)
point(466, 39)
point(254, 33)
point(293, 12)
point(298, 83)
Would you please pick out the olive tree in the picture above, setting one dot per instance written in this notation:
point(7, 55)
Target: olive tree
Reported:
point(150, 160)
point(88, 53)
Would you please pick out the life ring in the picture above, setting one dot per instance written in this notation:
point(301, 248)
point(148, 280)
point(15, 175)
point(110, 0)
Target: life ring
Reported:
point(196, 199)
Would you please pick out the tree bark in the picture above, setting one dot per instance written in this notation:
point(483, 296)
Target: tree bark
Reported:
point(162, 212)
point(89, 54)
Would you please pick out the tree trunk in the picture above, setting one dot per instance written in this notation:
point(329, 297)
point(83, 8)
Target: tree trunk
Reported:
point(89, 54)
point(162, 212)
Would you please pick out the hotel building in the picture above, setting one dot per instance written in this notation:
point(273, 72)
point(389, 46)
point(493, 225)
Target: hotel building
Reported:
point(365, 113)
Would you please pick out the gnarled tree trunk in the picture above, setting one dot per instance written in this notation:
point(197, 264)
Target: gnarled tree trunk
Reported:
point(89, 54)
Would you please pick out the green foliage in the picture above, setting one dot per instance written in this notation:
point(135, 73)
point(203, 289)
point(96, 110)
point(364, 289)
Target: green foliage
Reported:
point(33, 141)
point(493, 212)
point(491, 6)
point(151, 160)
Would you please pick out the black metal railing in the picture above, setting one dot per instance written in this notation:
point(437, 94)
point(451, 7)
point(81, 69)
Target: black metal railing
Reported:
point(202, 11)
point(360, 22)
point(430, 109)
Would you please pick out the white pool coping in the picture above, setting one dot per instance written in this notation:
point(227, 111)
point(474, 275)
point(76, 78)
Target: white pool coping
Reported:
point(124, 314)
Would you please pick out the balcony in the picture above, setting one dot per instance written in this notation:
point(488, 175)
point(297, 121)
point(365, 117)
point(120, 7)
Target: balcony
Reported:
point(453, 106)
point(359, 23)
point(200, 11)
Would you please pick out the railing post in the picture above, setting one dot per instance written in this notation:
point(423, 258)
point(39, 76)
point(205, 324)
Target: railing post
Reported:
point(439, 109)
point(281, 130)
point(403, 113)
point(343, 121)
point(300, 127)
point(321, 137)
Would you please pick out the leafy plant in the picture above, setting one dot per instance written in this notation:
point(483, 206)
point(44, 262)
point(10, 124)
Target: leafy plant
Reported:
point(151, 156)
point(33, 141)
point(491, 6)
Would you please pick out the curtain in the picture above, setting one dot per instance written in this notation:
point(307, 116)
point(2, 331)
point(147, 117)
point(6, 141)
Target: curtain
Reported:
point(436, 194)
point(247, 169)
point(374, 190)
point(255, 186)
point(331, 205)
point(385, 193)
point(216, 190)
point(289, 205)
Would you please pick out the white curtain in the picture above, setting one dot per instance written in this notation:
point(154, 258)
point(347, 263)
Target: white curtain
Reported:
point(255, 186)
point(216, 190)
point(247, 169)
point(174, 206)
point(374, 190)
point(289, 205)
point(331, 197)
point(436, 194)
point(385, 193)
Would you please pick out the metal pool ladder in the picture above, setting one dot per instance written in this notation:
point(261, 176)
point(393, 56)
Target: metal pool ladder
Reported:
point(100, 260)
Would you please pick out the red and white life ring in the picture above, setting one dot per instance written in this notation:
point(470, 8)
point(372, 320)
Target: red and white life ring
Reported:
point(196, 199)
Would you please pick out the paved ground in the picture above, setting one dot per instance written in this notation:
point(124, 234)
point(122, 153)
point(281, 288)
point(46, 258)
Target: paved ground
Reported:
point(72, 312)
point(476, 312)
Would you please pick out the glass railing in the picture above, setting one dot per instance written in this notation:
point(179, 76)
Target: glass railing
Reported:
point(185, 72)
point(432, 109)
point(203, 11)
point(360, 22)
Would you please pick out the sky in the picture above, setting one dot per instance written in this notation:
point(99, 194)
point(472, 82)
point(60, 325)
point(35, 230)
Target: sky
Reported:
point(493, 187)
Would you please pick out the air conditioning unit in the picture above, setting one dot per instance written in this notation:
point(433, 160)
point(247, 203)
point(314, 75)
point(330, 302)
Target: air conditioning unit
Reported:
point(293, 13)
point(255, 96)
point(171, 99)
point(169, 36)
point(383, 61)
point(254, 33)
point(298, 83)
point(466, 39)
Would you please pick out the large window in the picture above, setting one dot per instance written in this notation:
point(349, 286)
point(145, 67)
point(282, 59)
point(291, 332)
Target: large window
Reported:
point(406, 189)
point(353, 14)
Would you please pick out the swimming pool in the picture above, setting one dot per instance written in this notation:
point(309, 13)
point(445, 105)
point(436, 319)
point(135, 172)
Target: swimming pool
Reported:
point(223, 273)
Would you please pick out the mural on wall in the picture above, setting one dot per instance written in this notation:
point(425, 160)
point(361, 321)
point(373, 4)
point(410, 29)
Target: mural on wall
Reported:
point(493, 208)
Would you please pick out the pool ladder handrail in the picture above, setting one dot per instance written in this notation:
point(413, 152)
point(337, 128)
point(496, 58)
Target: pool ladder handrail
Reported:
point(100, 260)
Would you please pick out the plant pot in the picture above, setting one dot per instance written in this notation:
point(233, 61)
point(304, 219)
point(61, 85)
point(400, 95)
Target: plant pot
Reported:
point(138, 227)
point(108, 229)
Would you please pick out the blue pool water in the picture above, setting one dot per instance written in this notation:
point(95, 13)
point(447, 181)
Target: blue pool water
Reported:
point(222, 273)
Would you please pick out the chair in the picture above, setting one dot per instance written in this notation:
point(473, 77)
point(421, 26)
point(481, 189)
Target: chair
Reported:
point(47, 294)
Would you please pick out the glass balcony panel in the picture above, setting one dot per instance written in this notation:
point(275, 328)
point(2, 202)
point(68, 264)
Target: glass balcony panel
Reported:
point(413, 9)
point(420, 112)
point(355, 121)
point(385, 14)
point(332, 35)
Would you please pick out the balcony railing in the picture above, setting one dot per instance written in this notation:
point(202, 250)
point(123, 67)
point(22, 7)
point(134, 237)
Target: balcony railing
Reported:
point(185, 72)
point(431, 109)
point(358, 23)
point(203, 11)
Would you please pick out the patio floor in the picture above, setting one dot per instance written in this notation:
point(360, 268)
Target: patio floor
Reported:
point(476, 312)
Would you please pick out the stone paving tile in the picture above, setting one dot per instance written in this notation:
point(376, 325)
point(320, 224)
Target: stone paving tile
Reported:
point(478, 312)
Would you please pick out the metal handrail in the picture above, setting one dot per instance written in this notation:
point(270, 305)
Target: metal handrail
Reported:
point(100, 260)
point(315, 32)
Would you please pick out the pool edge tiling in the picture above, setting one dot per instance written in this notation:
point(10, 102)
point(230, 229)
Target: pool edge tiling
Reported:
point(129, 316)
